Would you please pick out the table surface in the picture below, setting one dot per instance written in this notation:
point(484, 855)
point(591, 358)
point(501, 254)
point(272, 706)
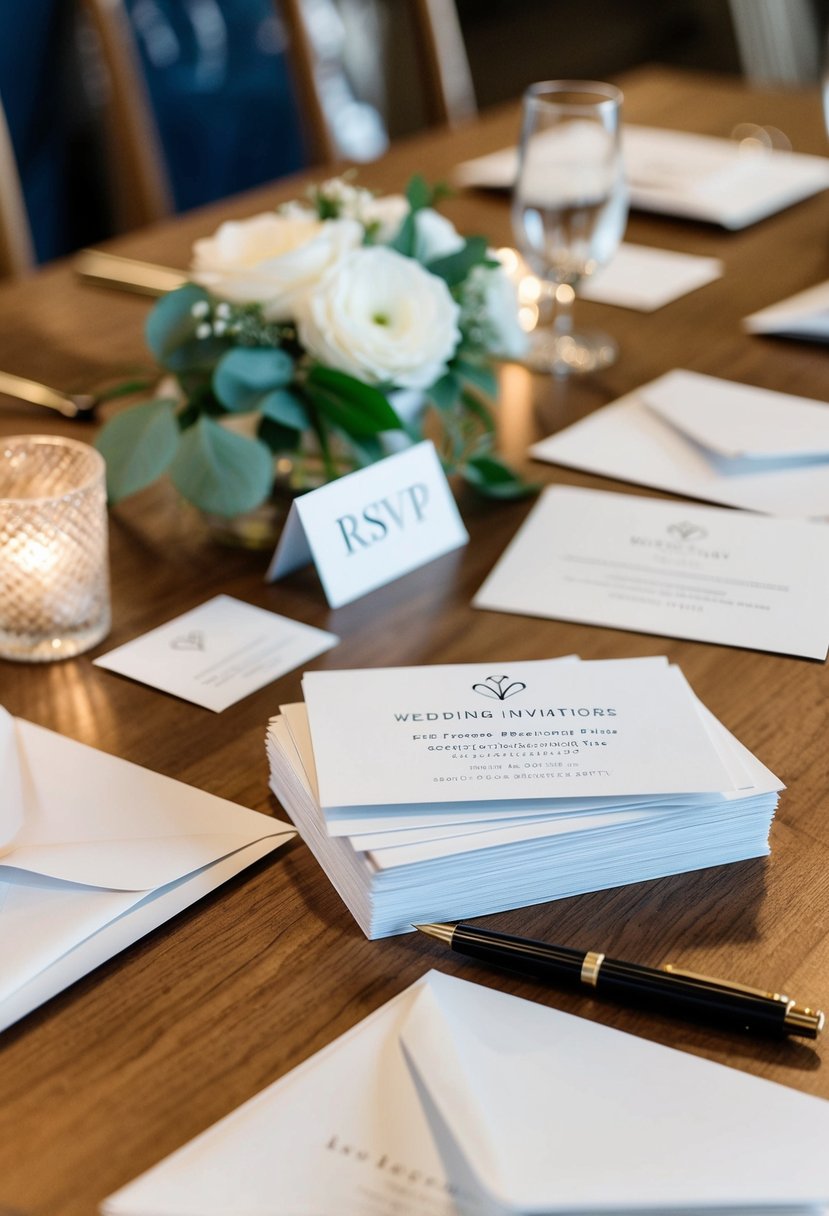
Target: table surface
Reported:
point(156, 1045)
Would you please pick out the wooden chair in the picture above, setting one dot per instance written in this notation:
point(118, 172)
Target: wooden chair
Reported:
point(16, 248)
point(140, 186)
point(448, 91)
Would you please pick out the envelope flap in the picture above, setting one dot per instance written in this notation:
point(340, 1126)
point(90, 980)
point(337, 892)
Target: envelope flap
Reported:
point(95, 819)
point(558, 1114)
point(738, 421)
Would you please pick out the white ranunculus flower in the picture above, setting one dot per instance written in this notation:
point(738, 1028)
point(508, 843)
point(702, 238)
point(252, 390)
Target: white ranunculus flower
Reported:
point(273, 260)
point(381, 317)
point(489, 312)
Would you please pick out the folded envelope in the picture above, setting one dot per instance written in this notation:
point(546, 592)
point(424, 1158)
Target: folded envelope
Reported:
point(454, 1098)
point(805, 316)
point(95, 852)
point(700, 177)
point(707, 438)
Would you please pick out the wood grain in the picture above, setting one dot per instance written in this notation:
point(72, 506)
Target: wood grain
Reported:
point(163, 1040)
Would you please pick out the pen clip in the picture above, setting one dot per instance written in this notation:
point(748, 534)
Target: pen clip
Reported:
point(729, 985)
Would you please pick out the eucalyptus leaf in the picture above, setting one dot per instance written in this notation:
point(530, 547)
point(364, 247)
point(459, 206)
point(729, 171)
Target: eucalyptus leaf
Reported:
point(286, 408)
point(171, 323)
point(138, 445)
point(492, 478)
point(243, 376)
point(220, 471)
point(454, 267)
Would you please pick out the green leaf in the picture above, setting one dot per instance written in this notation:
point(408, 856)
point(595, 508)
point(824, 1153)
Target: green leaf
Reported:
point(278, 438)
point(479, 411)
point(480, 375)
point(454, 267)
point(445, 393)
point(286, 408)
point(138, 445)
point(405, 239)
point(244, 375)
point(355, 407)
point(220, 471)
point(171, 322)
point(419, 193)
point(492, 478)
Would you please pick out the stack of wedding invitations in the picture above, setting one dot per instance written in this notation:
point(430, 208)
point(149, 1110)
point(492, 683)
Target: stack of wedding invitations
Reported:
point(446, 792)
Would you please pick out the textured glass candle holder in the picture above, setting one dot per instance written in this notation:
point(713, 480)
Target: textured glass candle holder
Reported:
point(54, 581)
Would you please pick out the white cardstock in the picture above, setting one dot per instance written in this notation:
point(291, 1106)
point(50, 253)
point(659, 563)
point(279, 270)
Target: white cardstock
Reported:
point(370, 527)
point(218, 653)
point(645, 279)
point(668, 568)
point(674, 432)
point(498, 732)
point(458, 1100)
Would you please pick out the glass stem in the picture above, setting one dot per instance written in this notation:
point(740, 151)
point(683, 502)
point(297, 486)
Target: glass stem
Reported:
point(563, 298)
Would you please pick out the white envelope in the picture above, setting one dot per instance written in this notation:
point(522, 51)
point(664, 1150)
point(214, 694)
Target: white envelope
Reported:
point(805, 315)
point(696, 177)
point(707, 438)
point(454, 1098)
point(95, 852)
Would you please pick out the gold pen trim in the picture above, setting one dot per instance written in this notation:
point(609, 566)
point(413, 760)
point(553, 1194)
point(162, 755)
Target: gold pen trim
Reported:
point(590, 967)
point(729, 985)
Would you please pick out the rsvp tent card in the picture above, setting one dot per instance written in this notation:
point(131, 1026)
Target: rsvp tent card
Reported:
point(369, 528)
point(219, 652)
point(668, 568)
point(523, 731)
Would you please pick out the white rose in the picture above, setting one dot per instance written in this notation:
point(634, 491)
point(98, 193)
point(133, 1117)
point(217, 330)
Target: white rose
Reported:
point(272, 260)
point(382, 318)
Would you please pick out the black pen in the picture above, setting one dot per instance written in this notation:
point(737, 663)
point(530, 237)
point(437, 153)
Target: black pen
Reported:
point(667, 988)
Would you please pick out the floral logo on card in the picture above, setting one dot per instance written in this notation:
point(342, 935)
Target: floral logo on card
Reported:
point(498, 688)
point(687, 531)
point(194, 640)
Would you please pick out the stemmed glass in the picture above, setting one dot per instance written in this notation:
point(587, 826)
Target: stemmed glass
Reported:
point(569, 208)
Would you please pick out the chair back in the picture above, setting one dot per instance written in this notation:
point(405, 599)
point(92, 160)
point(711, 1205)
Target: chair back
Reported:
point(448, 92)
point(140, 186)
point(16, 249)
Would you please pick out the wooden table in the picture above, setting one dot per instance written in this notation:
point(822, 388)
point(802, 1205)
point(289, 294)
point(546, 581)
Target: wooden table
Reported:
point(160, 1042)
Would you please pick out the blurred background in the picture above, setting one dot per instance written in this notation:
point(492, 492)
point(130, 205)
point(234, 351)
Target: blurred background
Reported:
point(224, 83)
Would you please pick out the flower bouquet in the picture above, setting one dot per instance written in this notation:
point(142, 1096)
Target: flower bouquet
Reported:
point(314, 340)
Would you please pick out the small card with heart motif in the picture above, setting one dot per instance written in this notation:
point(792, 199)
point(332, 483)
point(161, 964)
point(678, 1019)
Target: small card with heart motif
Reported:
point(218, 653)
point(670, 568)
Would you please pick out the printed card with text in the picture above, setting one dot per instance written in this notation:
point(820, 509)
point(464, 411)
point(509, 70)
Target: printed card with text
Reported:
point(370, 527)
point(219, 652)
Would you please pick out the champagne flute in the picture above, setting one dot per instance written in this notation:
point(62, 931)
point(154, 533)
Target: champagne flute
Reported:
point(569, 208)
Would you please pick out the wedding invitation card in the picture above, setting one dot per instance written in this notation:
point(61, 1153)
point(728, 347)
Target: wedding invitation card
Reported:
point(218, 653)
point(505, 731)
point(668, 568)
